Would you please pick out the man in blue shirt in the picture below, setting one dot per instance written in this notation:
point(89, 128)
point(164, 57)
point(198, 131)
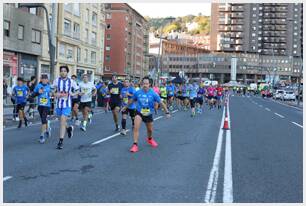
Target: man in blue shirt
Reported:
point(193, 89)
point(21, 92)
point(171, 90)
point(127, 93)
point(43, 91)
point(145, 99)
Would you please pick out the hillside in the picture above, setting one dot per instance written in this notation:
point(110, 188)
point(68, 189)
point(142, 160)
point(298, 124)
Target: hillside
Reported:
point(179, 24)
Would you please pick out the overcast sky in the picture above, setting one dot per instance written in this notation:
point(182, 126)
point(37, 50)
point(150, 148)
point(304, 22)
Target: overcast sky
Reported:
point(171, 9)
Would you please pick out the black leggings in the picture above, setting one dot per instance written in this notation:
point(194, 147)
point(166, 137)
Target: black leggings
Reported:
point(43, 113)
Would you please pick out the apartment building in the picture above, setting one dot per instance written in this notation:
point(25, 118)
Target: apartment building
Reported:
point(126, 42)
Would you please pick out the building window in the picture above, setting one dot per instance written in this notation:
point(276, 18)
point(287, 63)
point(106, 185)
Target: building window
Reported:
point(78, 54)
point(294, 46)
point(94, 19)
point(36, 36)
point(93, 57)
point(108, 37)
point(86, 55)
point(20, 32)
point(62, 50)
point(68, 7)
point(33, 11)
point(87, 16)
point(126, 18)
point(254, 15)
point(107, 58)
point(93, 38)
point(107, 48)
point(86, 35)
point(6, 28)
point(76, 9)
point(108, 26)
point(254, 8)
point(76, 31)
point(69, 53)
point(107, 68)
point(67, 27)
point(108, 16)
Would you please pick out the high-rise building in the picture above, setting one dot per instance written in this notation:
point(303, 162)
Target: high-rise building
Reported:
point(126, 41)
point(266, 28)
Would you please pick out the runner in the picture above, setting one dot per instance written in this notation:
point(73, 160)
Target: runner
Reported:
point(179, 98)
point(75, 104)
point(63, 91)
point(171, 91)
point(115, 100)
point(31, 85)
point(145, 99)
point(193, 89)
point(157, 91)
point(211, 93)
point(219, 95)
point(185, 93)
point(21, 92)
point(43, 91)
point(127, 93)
point(87, 90)
point(200, 99)
point(163, 92)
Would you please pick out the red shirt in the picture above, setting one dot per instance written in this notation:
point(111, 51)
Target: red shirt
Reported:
point(219, 91)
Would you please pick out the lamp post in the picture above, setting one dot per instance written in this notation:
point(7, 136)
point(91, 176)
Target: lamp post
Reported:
point(51, 45)
point(160, 43)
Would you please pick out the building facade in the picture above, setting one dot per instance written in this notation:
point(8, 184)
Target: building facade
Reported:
point(126, 42)
point(217, 66)
point(267, 28)
point(22, 42)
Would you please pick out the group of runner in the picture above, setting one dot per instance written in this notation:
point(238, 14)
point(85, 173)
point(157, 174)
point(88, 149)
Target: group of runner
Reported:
point(127, 98)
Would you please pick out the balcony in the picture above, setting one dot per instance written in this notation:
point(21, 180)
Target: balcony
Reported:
point(67, 33)
point(239, 22)
point(238, 41)
point(224, 28)
point(239, 35)
point(238, 48)
point(237, 28)
point(237, 8)
point(222, 22)
point(237, 15)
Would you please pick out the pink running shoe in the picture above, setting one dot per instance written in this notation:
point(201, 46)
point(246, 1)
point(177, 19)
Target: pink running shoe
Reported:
point(152, 142)
point(134, 148)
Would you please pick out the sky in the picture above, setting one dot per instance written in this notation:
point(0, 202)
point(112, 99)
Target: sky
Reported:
point(171, 9)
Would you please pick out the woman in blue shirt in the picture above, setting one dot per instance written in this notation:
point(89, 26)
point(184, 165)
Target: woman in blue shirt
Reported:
point(21, 93)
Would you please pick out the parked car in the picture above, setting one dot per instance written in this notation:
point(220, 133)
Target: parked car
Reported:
point(288, 95)
point(278, 94)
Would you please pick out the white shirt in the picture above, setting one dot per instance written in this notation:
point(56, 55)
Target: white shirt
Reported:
point(86, 88)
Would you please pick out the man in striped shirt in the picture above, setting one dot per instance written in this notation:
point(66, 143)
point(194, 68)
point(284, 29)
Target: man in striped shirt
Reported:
point(63, 87)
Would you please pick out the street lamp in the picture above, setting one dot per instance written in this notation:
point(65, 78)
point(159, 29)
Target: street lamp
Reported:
point(160, 42)
point(51, 46)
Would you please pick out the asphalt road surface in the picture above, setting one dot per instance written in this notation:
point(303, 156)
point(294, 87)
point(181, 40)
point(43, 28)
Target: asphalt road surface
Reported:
point(260, 159)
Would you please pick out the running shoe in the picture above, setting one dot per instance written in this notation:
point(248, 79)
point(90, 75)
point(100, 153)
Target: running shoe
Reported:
point(123, 132)
point(20, 123)
point(60, 145)
point(89, 118)
point(70, 131)
point(134, 148)
point(42, 139)
point(117, 128)
point(77, 122)
point(152, 142)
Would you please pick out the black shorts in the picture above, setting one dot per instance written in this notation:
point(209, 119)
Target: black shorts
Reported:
point(180, 98)
point(200, 100)
point(145, 119)
point(43, 113)
point(170, 97)
point(85, 104)
point(210, 97)
point(20, 106)
point(132, 112)
point(192, 102)
point(75, 101)
point(113, 105)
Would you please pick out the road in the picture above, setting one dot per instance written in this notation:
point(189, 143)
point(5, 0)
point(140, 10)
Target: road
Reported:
point(258, 160)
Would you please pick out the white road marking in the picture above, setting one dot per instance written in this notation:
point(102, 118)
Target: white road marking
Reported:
point(158, 118)
point(268, 109)
point(115, 135)
point(279, 115)
point(174, 111)
point(228, 177)
point(7, 178)
point(272, 100)
point(107, 138)
point(297, 124)
point(214, 172)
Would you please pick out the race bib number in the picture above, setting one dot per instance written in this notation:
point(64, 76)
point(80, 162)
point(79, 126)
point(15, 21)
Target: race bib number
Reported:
point(43, 101)
point(19, 93)
point(145, 111)
point(125, 100)
point(115, 90)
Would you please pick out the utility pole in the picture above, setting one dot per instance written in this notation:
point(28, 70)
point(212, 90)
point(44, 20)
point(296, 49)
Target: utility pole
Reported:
point(53, 39)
